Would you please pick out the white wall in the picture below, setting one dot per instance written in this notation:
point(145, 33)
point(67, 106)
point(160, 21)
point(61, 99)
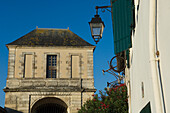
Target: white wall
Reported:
point(143, 64)
point(164, 46)
point(140, 67)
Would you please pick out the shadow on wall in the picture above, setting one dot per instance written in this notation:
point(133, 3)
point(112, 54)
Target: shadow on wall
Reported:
point(9, 110)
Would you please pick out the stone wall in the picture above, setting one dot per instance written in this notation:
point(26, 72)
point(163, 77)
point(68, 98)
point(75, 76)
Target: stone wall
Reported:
point(23, 102)
point(11, 62)
point(39, 59)
point(22, 92)
point(85, 83)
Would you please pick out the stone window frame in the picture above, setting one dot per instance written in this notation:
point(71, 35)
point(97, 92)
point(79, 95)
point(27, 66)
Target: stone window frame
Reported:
point(58, 64)
point(80, 63)
point(23, 63)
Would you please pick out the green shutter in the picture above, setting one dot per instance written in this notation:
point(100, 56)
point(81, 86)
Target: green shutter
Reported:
point(146, 109)
point(122, 15)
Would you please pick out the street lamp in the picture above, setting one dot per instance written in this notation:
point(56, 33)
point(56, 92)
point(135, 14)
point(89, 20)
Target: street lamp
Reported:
point(117, 63)
point(97, 25)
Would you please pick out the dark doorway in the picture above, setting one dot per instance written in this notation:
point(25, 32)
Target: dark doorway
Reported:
point(51, 108)
point(49, 105)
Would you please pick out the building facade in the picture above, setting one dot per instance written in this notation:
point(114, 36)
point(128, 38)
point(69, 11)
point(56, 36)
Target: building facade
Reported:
point(49, 70)
point(148, 74)
point(141, 36)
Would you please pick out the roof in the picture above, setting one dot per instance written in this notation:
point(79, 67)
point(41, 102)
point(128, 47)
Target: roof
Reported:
point(50, 37)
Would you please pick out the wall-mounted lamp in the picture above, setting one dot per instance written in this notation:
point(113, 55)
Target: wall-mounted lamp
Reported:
point(97, 25)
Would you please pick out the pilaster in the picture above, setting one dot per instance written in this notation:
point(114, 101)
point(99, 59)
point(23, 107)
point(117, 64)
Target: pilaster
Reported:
point(11, 62)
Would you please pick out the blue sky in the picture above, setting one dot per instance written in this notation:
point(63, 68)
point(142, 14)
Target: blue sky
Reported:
point(18, 17)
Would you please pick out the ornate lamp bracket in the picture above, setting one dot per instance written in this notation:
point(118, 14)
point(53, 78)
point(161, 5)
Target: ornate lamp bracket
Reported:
point(103, 8)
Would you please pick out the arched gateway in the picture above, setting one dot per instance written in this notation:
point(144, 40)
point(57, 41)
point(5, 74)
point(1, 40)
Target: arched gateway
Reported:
point(49, 105)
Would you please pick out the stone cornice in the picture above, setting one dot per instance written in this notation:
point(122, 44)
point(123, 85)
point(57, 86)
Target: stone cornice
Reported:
point(49, 89)
point(49, 79)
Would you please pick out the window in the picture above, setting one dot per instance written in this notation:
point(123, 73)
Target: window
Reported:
point(28, 67)
point(51, 66)
point(75, 67)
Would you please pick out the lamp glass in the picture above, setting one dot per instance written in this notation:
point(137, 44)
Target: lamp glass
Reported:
point(96, 30)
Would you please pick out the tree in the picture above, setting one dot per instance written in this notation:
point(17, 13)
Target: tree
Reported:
point(112, 100)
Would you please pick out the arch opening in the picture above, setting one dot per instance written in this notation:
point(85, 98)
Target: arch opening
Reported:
point(49, 105)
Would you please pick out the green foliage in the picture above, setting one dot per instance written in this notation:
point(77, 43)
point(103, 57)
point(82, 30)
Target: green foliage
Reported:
point(113, 100)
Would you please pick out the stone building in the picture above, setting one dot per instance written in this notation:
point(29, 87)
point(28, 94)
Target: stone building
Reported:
point(49, 71)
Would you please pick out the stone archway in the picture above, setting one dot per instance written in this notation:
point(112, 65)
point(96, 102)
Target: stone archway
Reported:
point(49, 105)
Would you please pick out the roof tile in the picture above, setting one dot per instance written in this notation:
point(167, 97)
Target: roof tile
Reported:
point(50, 37)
